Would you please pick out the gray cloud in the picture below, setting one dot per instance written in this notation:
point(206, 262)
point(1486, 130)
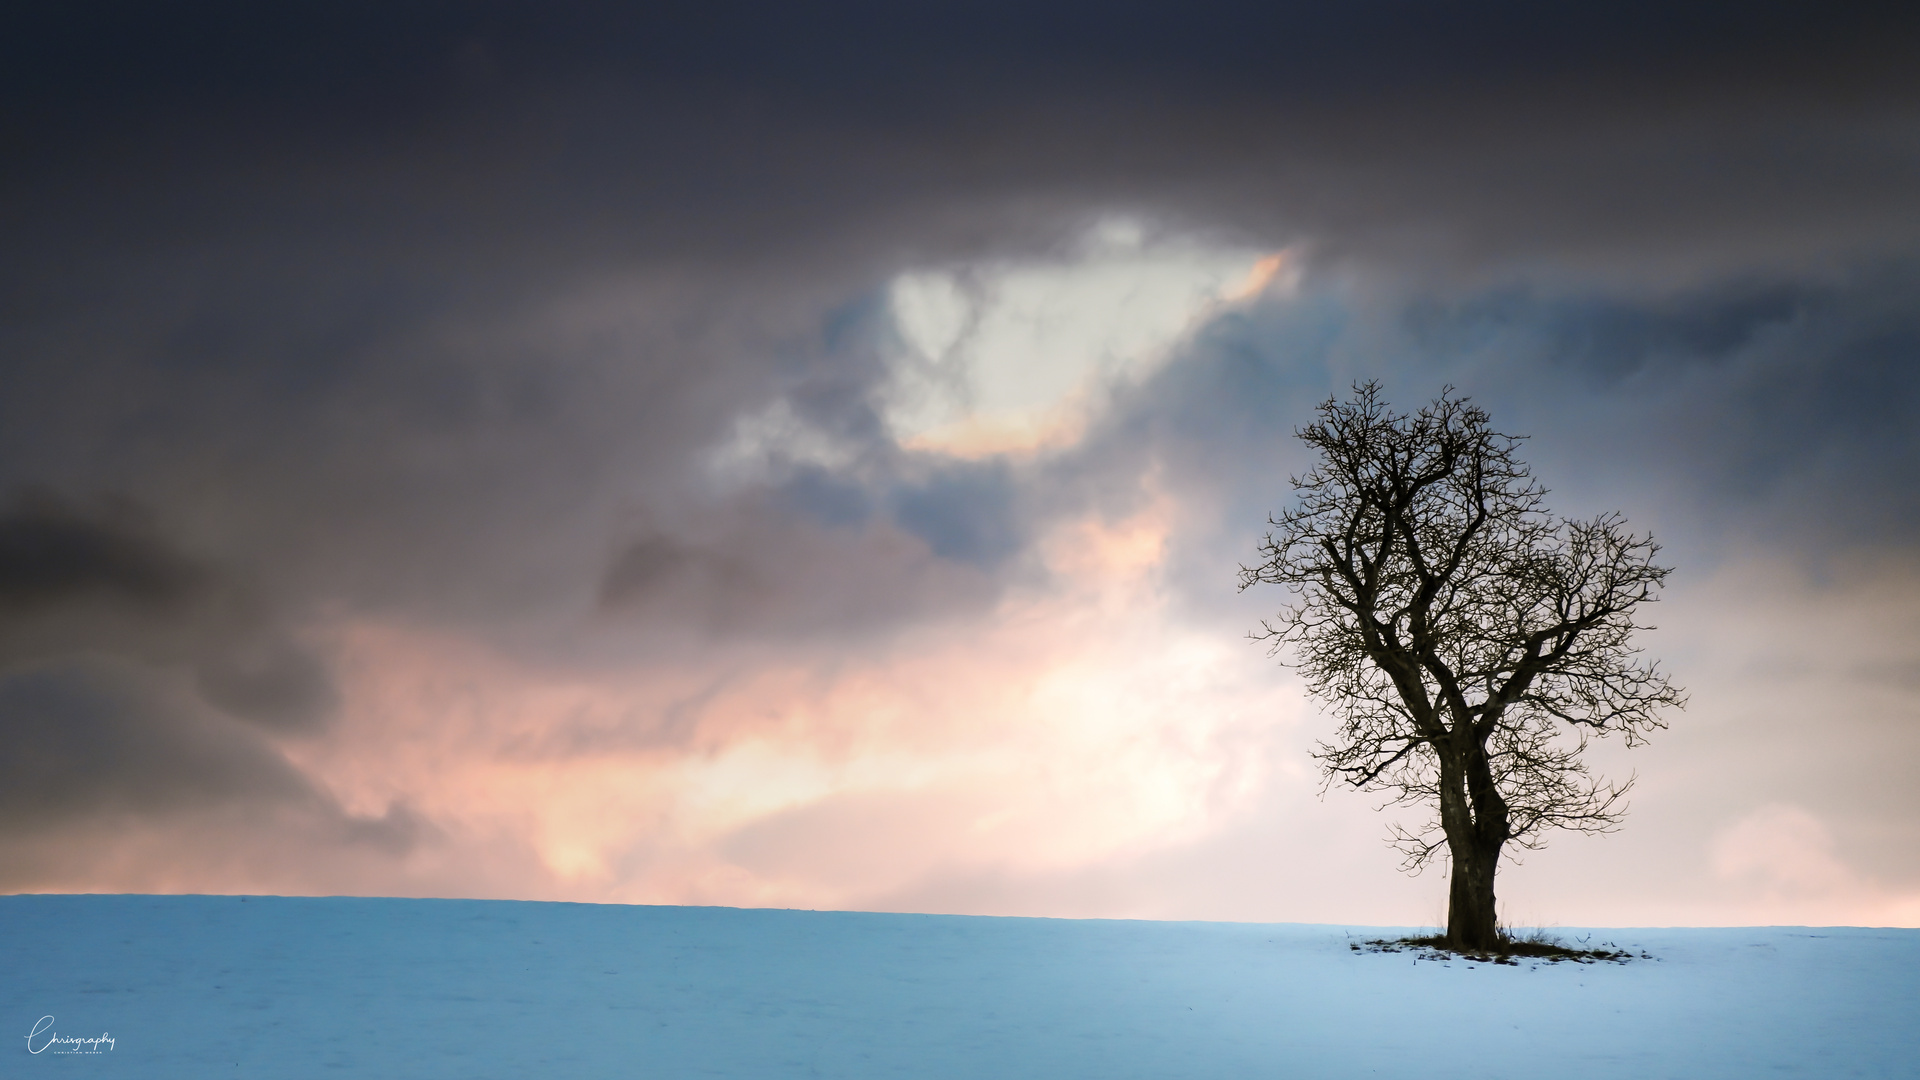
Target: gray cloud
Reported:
point(1642, 135)
point(78, 579)
point(438, 313)
point(52, 553)
point(137, 682)
point(96, 749)
point(90, 736)
point(1774, 407)
point(1770, 406)
point(965, 513)
point(756, 572)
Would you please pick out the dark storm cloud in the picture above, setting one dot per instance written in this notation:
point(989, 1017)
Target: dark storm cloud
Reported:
point(434, 312)
point(577, 131)
point(92, 743)
point(50, 553)
point(1614, 338)
point(78, 579)
point(1765, 411)
point(315, 251)
point(1784, 405)
point(86, 736)
point(137, 682)
point(755, 569)
point(356, 59)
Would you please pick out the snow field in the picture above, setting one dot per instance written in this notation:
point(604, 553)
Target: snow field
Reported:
point(204, 986)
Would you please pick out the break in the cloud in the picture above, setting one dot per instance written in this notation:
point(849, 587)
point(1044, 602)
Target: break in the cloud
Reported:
point(764, 455)
point(1003, 359)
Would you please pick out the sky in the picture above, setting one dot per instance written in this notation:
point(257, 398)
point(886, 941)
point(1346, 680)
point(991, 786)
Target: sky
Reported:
point(802, 455)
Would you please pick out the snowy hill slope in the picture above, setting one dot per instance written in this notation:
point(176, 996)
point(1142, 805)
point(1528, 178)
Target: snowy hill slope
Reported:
point(289, 987)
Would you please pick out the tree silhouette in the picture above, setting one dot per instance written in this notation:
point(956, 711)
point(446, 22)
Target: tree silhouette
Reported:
point(1468, 642)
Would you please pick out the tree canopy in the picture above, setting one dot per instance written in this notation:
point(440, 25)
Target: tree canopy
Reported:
point(1468, 642)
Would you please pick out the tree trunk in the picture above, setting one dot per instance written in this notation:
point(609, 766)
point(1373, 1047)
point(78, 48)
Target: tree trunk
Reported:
point(1471, 920)
point(1474, 818)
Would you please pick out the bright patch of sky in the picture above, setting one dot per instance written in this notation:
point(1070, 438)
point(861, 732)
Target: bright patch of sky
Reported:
point(1013, 356)
point(777, 433)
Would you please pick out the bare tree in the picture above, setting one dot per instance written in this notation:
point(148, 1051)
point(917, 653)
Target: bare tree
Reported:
point(1468, 642)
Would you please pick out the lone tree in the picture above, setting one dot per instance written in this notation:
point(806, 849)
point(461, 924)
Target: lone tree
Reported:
point(1468, 642)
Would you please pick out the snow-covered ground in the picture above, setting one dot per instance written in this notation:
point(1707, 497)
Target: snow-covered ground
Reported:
point(287, 987)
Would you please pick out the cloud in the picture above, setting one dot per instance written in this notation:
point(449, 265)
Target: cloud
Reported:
point(1785, 858)
point(112, 769)
point(1751, 411)
point(1784, 846)
point(51, 553)
point(1064, 723)
point(963, 512)
point(1013, 357)
point(1640, 137)
point(78, 579)
point(758, 570)
point(86, 736)
point(625, 453)
point(142, 689)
